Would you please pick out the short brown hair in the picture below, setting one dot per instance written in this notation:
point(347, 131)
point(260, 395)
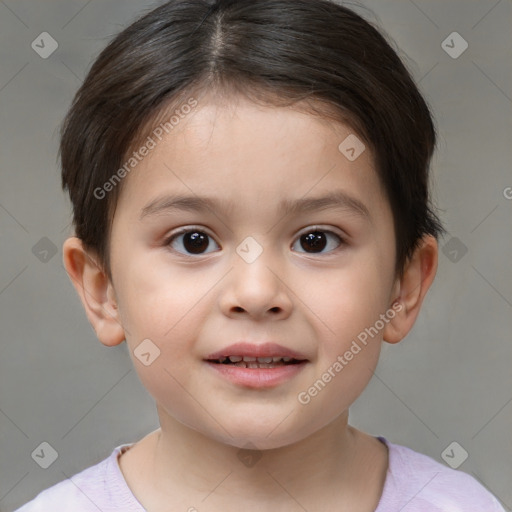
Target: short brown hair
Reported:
point(276, 52)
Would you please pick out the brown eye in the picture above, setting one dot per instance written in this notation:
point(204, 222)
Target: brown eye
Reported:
point(190, 241)
point(312, 242)
point(315, 241)
point(195, 242)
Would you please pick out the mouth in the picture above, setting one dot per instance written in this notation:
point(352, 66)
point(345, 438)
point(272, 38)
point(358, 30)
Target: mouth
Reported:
point(257, 366)
point(256, 362)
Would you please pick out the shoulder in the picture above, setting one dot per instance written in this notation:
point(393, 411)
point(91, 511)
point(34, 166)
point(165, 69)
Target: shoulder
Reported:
point(422, 484)
point(95, 488)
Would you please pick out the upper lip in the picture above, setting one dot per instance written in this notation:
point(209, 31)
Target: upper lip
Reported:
point(267, 349)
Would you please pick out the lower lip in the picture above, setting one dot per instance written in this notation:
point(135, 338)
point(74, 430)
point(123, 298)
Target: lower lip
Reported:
point(258, 377)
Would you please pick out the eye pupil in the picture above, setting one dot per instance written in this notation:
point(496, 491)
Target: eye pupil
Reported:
point(195, 242)
point(315, 240)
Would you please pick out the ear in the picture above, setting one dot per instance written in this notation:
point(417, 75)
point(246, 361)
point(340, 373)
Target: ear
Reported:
point(410, 290)
point(95, 290)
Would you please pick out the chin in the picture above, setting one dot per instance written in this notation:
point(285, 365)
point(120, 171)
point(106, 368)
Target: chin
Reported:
point(261, 437)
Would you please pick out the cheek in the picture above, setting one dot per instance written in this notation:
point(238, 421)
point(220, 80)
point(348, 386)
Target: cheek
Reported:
point(159, 300)
point(168, 316)
point(346, 300)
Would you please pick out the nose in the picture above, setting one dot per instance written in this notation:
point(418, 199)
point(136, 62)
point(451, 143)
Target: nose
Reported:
point(257, 290)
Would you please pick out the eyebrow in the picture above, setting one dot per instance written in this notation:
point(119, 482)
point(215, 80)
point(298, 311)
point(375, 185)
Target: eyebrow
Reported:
point(338, 199)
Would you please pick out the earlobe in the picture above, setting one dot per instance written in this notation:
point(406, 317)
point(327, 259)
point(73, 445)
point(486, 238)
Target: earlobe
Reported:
point(392, 331)
point(95, 291)
point(411, 288)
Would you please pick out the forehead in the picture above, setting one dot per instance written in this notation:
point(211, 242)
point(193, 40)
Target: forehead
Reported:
point(238, 150)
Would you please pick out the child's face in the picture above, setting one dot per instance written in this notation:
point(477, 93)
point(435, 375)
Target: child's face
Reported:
point(312, 299)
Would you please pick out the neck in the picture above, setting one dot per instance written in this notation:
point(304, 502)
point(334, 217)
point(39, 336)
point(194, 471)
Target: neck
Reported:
point(184, 462)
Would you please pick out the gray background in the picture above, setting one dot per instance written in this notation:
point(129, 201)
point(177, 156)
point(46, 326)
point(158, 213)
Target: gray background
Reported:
point(450, 380)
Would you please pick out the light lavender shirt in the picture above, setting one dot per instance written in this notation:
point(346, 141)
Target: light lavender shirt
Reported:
point(414, 483)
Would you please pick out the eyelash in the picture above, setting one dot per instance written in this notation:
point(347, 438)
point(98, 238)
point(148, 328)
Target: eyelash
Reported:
point(169, 240)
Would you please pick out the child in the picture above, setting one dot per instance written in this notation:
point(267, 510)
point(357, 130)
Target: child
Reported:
point(249, 182)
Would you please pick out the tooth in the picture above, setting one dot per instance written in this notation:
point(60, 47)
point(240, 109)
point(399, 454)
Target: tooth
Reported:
point(222, 359)
point(275, 359)
point(287, 359)
point(235, 359)
point(252, 365)
point(249, 359)
point(264, 359)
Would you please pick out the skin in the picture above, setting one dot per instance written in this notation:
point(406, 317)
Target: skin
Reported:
point(313, 302)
